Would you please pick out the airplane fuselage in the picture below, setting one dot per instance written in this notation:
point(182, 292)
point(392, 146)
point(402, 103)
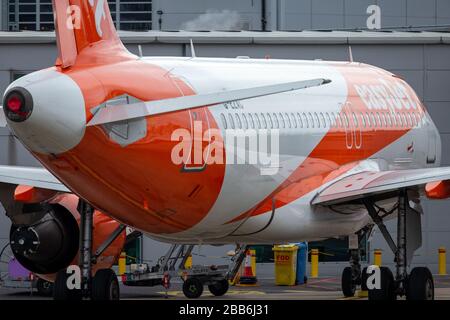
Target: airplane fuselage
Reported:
point(365, 118)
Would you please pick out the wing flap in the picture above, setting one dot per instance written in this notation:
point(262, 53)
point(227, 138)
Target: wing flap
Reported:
point(370, 183)
point(110, 114)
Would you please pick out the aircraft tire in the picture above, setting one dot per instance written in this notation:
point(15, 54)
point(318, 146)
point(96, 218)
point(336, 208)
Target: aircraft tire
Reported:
point(348, 286)
point(387, 290)
point(420, 285)
point(105, 286)
point(60, 289)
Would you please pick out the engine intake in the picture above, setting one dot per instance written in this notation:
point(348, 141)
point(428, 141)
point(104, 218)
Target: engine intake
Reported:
point(49, 244)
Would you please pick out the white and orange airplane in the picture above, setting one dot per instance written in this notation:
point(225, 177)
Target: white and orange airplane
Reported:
point(355, 144)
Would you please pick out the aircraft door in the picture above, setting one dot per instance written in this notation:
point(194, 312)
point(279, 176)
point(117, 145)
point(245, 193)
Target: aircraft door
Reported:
point(199, 127)
point(198, 156)
point(356, 126)
point(352, 125)
point(346, 124)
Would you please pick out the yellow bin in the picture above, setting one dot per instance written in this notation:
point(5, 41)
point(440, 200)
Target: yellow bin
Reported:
point(285, 264)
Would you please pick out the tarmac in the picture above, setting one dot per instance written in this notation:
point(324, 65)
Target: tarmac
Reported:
point(326, 288)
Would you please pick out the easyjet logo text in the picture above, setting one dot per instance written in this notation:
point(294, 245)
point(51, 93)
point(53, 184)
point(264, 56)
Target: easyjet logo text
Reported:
point(392, 96)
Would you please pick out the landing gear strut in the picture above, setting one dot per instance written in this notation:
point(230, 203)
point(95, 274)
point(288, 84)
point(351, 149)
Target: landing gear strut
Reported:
point(418, 285)
point(86, 226)
point(104, 285)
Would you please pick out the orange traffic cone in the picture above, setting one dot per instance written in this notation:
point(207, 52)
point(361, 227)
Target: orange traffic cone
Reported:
point(248, 278)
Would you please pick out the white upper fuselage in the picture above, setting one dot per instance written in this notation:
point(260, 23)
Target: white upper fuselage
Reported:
point(303, 119)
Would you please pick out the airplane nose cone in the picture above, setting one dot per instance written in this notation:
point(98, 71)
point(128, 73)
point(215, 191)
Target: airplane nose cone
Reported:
point(46, 111)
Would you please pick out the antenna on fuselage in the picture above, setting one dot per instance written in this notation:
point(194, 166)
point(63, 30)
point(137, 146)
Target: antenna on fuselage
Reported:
point(141, 54)
point(350, 53)
point(193, 54)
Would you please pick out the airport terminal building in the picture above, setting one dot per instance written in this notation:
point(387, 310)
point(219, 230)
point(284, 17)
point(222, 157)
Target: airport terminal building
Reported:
point(417, 49)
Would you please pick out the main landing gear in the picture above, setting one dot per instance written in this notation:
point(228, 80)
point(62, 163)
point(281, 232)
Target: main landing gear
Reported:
point(418, 284)
point(70, 285)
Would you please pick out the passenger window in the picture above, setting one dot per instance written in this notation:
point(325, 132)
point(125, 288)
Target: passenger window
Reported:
point(355, 120)
point(224, 121)
point(305, 120)
point(288, 121)
point(372, 118)
point(383, 120)
point(413, 119)
point(379, 120)
point(393, 119)
point(293, 120)
point(230, 117)
point(346, 121)
point(368, 120)
point(316, 119)
point(333, 120)
point(275, 121)
point(322, 119)
point(410, 119)
point(404, 120)
point(282, 123)
point(329, 123)
point(263, 121)
point(269, 121)
point(311, 120)
point(388, 119)
point(258, 122)
point(340, 122)
point(300, 121)
point(238, 121)
point(363, 120)
point(244, 119)
point(400, 120)
point(252, 122)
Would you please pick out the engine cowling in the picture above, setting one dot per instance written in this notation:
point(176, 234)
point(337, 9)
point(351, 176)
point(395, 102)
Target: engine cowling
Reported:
point(48, 245)
point(49, 242)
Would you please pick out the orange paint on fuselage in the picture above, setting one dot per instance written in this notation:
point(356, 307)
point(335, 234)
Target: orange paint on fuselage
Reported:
point(138, 185)
point(331, 157)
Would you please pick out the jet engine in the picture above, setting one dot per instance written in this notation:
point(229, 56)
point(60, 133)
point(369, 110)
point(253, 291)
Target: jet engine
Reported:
point(47, 240)
point(48, 245)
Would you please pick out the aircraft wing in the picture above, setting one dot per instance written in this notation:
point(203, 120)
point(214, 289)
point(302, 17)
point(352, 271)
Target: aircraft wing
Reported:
point(110, 114)
point(373, 183)
point(34, 177)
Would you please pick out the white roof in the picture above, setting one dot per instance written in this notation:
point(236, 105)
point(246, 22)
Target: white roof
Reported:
point(252, 37)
